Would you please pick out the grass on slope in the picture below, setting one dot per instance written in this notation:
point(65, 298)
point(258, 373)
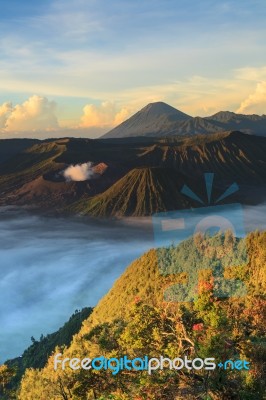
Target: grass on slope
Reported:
point(143, 191)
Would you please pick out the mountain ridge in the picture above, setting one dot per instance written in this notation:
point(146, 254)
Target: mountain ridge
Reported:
point(134, 173)
point(160, 119)
point(141, 192)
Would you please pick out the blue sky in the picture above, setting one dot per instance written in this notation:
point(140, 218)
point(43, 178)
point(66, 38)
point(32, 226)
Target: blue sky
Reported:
point(92, 63)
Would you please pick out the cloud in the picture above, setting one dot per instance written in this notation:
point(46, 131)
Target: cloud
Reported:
point(196, 95)
point(255, 103)
point(121, 116)
point(251, 73)
point(104, 115)
point(5, 110)
point(76, 261)
point(35, 113)
point(108, 51)
point(79, 172)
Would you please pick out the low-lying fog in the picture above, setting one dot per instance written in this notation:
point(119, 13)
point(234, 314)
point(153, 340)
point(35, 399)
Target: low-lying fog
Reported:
point(51, 267)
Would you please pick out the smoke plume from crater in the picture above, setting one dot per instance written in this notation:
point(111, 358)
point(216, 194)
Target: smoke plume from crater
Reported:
point(79, 172)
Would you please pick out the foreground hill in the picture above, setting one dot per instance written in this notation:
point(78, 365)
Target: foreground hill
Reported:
point(135, 319)
point(132, 176)
point(159, 119)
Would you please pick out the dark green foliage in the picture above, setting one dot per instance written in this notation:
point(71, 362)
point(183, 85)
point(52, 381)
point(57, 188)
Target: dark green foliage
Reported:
point(38, 353)
point(133, 320)
point(201, 253)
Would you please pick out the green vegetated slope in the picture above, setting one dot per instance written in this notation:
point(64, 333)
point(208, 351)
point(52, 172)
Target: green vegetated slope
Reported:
point(37, 354)
point(135, 319)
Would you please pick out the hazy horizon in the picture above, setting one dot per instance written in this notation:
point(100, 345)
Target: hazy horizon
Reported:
point(78, 132)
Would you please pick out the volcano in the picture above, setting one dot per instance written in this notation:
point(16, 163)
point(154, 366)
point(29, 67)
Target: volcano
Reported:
point(161, 120)
point(153, 120)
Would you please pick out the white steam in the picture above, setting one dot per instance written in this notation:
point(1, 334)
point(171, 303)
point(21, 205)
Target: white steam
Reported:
point(79, 172)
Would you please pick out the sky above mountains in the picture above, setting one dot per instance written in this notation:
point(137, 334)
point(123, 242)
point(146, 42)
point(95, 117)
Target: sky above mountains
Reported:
point(89, 64)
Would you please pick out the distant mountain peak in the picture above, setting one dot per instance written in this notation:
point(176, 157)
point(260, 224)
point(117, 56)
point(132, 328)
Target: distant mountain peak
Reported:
point(155, 119)
point(160, 107)
point(228, 113)
point(223, 116)
point(252, 123)
point(159, 119)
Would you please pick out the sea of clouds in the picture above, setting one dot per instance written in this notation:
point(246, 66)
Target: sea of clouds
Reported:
point(49, 267)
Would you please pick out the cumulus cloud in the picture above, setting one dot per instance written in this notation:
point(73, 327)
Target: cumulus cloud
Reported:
point(255, 103)
point(104, 115)
point(121, 116)
point(5, 110)
point(36, 113)
point(79, 172)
